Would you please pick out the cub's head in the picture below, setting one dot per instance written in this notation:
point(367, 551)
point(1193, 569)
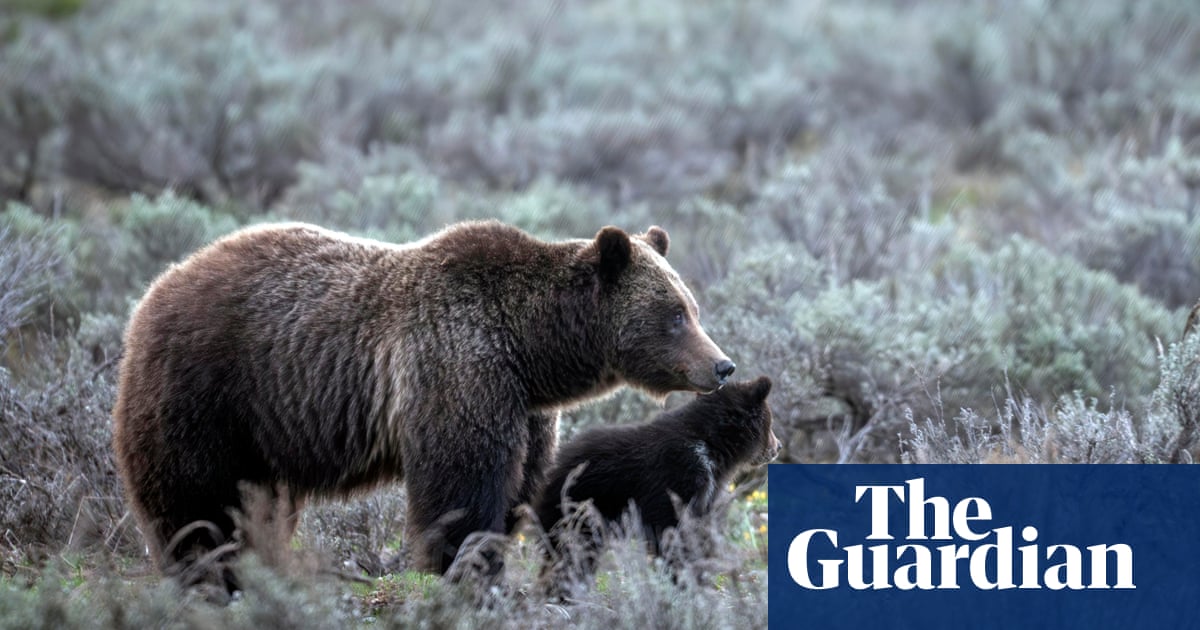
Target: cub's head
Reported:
point(740, 421)
point(650, 319)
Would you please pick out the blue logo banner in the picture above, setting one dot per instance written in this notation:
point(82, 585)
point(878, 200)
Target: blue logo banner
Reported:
point(984, 546)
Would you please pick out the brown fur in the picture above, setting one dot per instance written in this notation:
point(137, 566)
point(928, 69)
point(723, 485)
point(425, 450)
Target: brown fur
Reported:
point(311, 363)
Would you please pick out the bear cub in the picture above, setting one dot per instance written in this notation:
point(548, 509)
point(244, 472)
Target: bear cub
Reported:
point(685, 454)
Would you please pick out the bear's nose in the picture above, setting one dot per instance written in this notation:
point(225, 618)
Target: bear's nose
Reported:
point(724, 368)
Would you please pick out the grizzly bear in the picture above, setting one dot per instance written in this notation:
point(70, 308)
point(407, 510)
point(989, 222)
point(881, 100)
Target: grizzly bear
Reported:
point(310, 363)
point(686, 454)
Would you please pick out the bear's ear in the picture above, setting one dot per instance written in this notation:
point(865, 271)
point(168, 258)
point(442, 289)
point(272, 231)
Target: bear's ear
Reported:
point(615, 250)
point(658, 239)
point(761, 387)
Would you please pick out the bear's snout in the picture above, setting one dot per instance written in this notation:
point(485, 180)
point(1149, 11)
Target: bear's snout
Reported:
point(771, 452)
point(723, 369)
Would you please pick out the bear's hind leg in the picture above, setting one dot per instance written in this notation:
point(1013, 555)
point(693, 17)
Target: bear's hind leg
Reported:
point(196, 525)
point(199, 545)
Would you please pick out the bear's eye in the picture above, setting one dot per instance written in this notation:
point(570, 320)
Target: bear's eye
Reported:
point(678, 320)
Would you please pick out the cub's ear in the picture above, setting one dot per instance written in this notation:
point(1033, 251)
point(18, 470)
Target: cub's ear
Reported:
point(615, 250)
point(761, 387)
point(658, 239)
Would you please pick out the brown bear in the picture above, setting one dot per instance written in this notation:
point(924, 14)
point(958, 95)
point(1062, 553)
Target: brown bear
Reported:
point(686, 454)
point(311, 363)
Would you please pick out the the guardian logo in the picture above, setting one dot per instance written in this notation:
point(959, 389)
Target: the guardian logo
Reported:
point(946, 547)
point(991, 547)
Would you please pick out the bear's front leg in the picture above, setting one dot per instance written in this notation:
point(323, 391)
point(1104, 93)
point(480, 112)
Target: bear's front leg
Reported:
point(543, 440)
point(466, 485)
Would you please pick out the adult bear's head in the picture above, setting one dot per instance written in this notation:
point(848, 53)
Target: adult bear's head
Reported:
point(651, 319)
